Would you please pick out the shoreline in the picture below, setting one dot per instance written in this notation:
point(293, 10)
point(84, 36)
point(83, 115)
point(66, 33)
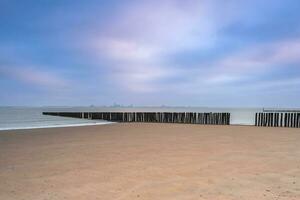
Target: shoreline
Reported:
point(55, 126)
point(108, 123)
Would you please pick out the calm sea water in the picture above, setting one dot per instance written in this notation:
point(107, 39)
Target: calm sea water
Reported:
point(26, 117)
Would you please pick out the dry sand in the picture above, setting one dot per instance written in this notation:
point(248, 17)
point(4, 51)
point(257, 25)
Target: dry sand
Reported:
point(150, 161)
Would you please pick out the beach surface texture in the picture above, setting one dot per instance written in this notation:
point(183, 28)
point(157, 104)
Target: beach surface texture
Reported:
point(150, 161)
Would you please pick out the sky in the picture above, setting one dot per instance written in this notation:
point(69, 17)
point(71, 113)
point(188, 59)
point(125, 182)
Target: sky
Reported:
point(224, 53)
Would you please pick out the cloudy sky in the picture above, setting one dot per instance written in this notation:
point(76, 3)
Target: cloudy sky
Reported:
point(150, 52)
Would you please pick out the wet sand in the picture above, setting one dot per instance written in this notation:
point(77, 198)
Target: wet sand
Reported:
point(150, 161)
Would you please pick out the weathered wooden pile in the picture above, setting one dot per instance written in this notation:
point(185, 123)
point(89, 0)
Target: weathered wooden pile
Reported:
point(288, 119)
point(158, 117)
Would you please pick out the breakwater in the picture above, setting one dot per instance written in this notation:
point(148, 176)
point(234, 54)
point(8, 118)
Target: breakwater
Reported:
point(278, 119)
point(155, 117)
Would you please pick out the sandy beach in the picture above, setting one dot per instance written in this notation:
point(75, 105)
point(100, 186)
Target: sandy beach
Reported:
point(150, 161)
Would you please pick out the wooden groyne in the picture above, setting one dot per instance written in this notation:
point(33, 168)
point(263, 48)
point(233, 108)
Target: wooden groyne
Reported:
point(278, 119)
point(156, 117)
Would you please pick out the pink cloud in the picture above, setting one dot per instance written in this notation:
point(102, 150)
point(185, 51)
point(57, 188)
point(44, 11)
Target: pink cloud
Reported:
point(245, 65)
point(261, 57)
point(137, 41)
point(253, 61)
point(33, 76)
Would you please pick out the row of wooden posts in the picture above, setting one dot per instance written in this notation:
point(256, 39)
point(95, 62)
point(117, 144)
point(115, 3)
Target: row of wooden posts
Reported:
point(278, 119)
point(159, 117)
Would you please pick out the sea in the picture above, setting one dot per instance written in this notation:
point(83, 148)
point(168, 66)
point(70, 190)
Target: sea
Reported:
point(12, 118)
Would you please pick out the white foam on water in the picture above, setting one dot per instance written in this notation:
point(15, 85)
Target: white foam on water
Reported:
point(15, 118)
point(56, 126)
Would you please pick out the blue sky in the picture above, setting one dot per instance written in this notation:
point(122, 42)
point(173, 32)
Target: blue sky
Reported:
point(155, 52)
